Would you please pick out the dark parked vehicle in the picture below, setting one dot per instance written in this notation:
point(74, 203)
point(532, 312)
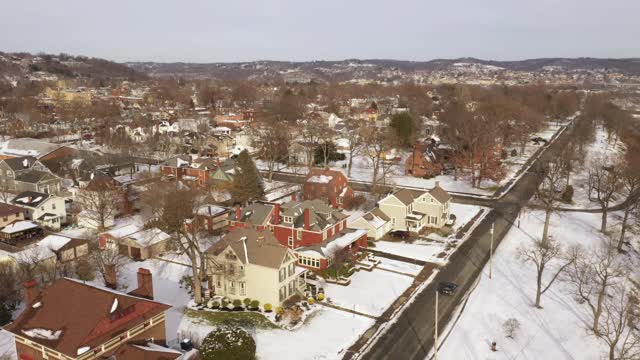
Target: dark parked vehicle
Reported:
point(538, 140)
point(447, 288)
point(400, 234)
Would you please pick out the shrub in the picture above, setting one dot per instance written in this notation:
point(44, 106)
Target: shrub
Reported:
point(85, 270)
point(268, 307)
point(354, 202)
point(228, 344)
point(514, 152)
point(246, 302)
point(504, 154)
point(225, 303)
point(237, 303)
point(255, 304)
point(320, 296)
point(567, 194)
point(279, 310)
point(311, 301)
point(215, 305)
point(511, 327)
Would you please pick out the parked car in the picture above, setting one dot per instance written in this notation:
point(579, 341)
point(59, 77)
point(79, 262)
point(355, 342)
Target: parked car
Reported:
point(400, 234)
point(538, 139)
point(447, 288)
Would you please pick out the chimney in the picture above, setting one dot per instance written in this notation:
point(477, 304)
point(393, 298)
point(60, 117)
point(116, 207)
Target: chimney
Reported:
point(307, 219)
point(110, 278)
point(260, 239)
point(238, 213)
point(31, 291)
point(437, 184)
point(294, 197)
point(276, 215)
point(209, 210)
point(145, 284)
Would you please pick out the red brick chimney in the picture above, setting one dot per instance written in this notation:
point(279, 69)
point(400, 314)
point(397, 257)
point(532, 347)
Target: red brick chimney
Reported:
point(238, 213)
point(31, 291)
point(276, 215)
point(145, 284)
point(110, 276)
point(307, 219)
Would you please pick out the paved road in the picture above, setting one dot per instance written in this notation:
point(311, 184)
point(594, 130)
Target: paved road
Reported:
point(411, 337)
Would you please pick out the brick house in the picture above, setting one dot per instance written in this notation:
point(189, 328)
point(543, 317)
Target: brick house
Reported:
point(423, 161)
point(182, 168)
point(74, 320)
point(256, 216)
point(329, 185)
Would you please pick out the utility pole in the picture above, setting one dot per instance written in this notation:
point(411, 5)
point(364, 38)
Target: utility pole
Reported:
point(491, 253)
point(435, 334)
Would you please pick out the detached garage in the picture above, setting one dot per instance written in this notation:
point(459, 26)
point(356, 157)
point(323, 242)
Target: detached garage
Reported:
point(136, 242)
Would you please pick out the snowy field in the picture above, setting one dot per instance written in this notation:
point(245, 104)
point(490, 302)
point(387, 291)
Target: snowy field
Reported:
point(557, 330)
point(7, 346)
point(369, 292)
point(362, 169)
point(324, 336)
point(399, 266)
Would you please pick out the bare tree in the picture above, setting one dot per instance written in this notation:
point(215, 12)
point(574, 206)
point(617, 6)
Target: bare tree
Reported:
point(547, 193)
point(272, 139)
point(630, 178)
point(108, 262)
point(618, 324)
point(376, 144)
point(354, 139)
point(100, 203)
point(511, 327)
point(604, 180)
point(541, 254)
point(311, 132)
point(592, 276)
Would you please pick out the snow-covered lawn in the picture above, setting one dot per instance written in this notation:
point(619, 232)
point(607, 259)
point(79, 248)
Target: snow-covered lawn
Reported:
point(7, 345)
point(464, 213)
point(555, 332)
point(325, 335)
point(400, 266)
point(422, 251)
point(369, 292)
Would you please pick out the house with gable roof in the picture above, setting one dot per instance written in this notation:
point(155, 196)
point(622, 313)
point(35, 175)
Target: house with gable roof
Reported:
point(329, 185)
point(249, 263)
point(74, 320)
point(45, 209)
point(413, 210)
point(26, 173)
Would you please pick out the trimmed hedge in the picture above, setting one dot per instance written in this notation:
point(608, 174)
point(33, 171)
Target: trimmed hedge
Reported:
point(228, 344)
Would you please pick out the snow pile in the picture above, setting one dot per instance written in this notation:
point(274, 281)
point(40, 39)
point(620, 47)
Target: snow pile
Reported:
point(43, 334)
point(320, 179)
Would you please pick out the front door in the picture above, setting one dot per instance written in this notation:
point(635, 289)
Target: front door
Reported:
point(135, 253)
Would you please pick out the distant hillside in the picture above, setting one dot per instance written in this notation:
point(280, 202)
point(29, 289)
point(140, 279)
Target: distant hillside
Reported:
point(354, 68)
point(44, 66)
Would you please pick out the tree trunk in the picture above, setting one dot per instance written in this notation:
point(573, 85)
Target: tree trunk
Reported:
point(539, 289)
point(624, 227)
point(545, 230)
point(350, 164)
point(603, 226)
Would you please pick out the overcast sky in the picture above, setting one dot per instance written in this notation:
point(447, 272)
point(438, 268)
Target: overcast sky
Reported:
point(243, 30)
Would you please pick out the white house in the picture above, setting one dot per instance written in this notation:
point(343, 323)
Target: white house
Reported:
point(413, 210)
point(45, 209)
point(376, 222)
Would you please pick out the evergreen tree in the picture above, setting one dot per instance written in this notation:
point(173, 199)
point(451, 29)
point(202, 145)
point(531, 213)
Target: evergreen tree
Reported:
point(247, 183)
point(402, 123)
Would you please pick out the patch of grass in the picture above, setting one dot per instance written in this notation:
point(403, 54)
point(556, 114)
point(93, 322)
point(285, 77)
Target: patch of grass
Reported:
point(244, 319)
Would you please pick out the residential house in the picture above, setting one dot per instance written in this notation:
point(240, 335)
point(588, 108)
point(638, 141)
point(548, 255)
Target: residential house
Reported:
point(20, 233)
point(256, 216)
point(135, 241)
point(45, 209)
point(344, 245)
point(26, 173)
point(248, 263)
point(328, 185)
point(224, 172)
point(183, 168)
point(10, 214)
point(423, 161)
point(39, 149)
point(298, 154)
point(74, 320)
point(376, 222)
point(413, 210)
point(212, 217)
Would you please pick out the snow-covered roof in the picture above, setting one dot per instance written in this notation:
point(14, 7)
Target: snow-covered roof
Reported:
point(320, 179)
point(18, 226)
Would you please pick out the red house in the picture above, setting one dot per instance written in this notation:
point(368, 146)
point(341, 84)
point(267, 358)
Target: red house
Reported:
point(182, 168)
point(329, 185)
point(256, 216)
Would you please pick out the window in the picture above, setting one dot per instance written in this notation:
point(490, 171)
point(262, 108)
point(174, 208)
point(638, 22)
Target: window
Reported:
point(5, 219)
point(299, 235)
point(308, 261)
point(283, 293)
point(243, 290)
point(324, 235)
point(291, 287)
point(288, 219)
point(53, 206)
point(290, 240)
point(292, 269)
point(434, 219)
point(283, 274)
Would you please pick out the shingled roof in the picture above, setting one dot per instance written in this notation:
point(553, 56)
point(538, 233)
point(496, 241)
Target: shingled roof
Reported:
point(70, 315)
point(261, 247)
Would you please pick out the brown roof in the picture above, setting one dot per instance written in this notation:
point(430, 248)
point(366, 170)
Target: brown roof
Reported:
point(440, 194)
point(262, 248)
point(80, 315)
point(8, 209)
point(379, 213)
point(406, 196)
point(145, 352)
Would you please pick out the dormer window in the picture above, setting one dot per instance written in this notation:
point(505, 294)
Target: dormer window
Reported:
point(288, 219)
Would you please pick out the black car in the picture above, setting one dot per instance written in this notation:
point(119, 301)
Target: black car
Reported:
point(447, 288)
point(400, 234)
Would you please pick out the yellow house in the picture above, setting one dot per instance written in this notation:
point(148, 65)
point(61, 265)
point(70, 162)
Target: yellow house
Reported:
point(413, 210)
point(252, 264)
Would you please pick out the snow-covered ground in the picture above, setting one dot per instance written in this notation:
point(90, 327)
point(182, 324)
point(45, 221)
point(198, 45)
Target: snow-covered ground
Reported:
point(324, 336)
point(7, 346)
point(369, 292)
point(362, 169)
point(554, 332)
point(399, 266)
